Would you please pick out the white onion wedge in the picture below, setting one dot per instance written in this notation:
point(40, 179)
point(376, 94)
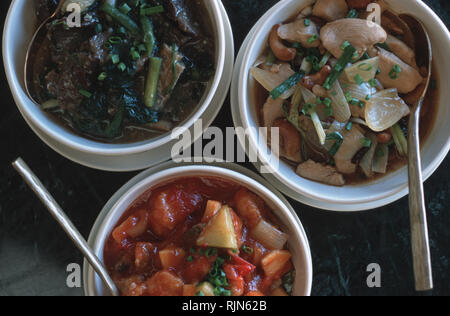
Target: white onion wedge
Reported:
point(339, 104)
point(385, 109)
point(269, 236)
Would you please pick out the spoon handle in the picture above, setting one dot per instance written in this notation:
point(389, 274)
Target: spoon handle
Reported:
point(418, 217)
point(36, 185)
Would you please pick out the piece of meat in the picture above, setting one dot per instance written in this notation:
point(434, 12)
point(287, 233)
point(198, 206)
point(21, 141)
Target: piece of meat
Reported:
point(168, 79)
point(345, 166)
point(299, 32)
point(330, 10)
point(182, 14)
point(132, 286)
point(272, 110)
point(401, 50)
point(169, 208)
point(362, 34)
point(408, 79)
point(322, 173)
point(393, 24)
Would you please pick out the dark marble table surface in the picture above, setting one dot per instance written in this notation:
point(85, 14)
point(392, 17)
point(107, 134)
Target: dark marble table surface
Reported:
point(34, 251)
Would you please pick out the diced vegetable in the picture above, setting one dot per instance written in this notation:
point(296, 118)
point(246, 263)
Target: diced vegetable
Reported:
point(269, 236)
point(151, 86)
point(270, 80)
point(384, 109)
point(212, 207)
point(381, 159)
point(400, 140)
point(205, 289)
point(341, 109)
point(365, 69)
point(219, 232)
point(172, 258)
point(367, 160)
point(274, 262)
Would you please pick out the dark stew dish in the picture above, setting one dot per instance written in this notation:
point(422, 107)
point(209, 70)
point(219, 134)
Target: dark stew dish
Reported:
point(134, 69)
point(339, 88)
point(199, 237)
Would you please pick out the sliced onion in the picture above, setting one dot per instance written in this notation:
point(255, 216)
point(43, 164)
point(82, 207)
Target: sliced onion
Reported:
point(269, 236)
point(367, 160)
point(360, 92)
point(381, 159)
point(365, 69)
point(339, 104)
point(271, 80)
point(384, 110)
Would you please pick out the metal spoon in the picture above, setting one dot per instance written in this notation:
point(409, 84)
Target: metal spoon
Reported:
point(418, 217)
point(57, 212)
point(36, 42)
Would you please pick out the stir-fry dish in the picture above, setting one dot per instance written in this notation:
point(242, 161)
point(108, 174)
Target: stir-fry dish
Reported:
point(339, 88)
point(135, 69)
point(199, 237)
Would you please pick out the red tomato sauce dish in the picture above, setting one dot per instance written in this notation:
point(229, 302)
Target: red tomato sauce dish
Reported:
point(199, 237)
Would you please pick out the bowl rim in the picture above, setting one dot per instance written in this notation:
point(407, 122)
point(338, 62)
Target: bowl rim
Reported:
point(147, 180)
point(86, 145)
point(302, 186)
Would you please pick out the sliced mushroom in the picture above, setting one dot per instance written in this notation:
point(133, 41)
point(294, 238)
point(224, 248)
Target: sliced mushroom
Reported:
point(299, 32)
point(272, 110)
point(362, 34)
point(290, 141)
point(406, 81)
point(330, 10)
point(322, 173)
point(401, 50)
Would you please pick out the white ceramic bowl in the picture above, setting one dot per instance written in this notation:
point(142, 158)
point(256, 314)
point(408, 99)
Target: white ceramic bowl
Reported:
point(298, 243)
point(19, 28)
point(374, 193)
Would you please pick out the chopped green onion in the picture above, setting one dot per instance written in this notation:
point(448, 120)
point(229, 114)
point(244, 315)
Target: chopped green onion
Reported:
point(102, 76)
point(152, 10)
point(358, 79)
point(345, 45)
point(115, 40)
point(373, 83)
point(121, 18)
point(151, 85)
point(134, 54)
point(324, 60)
point(115, 59)
point(85, 93)
point(384, 46)
point(327, 102)
point(365, 67)
point(366, 142)
point(339, 141)
point(312, 39)
point(211, 252)
point(340, 66)
point(285, 86)
point(125, 8)
point(98, 28)
point(122, 67)
point(349, 126)
point(368, 97)
point(352, 14)
point(200, 293)
point(307, 22)
point(248, 250)
point(149, 36)
point(395, 72)
point(190, 259)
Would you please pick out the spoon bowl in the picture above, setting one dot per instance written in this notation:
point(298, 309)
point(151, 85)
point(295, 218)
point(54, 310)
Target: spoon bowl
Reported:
point(35, 51)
